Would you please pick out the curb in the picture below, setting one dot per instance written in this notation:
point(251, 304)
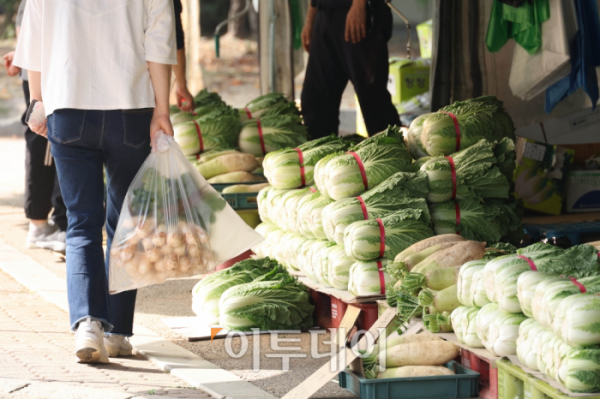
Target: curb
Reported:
point(168, 356)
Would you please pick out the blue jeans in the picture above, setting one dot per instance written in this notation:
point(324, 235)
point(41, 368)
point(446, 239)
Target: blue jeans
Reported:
point(83, 142)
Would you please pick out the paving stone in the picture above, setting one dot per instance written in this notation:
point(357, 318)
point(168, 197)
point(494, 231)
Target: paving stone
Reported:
point(37, 358)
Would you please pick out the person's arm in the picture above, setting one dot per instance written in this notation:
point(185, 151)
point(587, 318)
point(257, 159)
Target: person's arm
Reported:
point(160, 75)
point(356, 21)
point(35, 92)
point(185, 100)
point(308, 24)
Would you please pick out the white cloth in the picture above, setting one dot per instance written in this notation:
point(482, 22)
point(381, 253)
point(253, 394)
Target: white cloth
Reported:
point(92, 54)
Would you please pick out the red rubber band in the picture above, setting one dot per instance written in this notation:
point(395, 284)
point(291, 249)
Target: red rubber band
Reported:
point(363, 206)
point(199, 136)
point(457, 211)
point(453, 171)
point(248, 112)
point(579, 285)
point(314, 190)
point(361, 167)
point(381, 278)
point(531, 264)
point(193, 113)
point(381, 238)
point(456, 128)
point(301, 158)
point(260, 136)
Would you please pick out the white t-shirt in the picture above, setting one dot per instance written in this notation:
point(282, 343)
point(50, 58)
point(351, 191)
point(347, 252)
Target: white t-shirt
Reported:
point(92, 54)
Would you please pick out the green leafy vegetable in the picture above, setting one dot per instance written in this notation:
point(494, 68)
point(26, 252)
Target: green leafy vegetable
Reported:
point(206, 293)
point(478, 118)
point(475, 175)
point(381, 156)
point(401, 191)
point(282, 167)
point(363, 239)
point(271, 104)
point(279, 304)
point(278, 132)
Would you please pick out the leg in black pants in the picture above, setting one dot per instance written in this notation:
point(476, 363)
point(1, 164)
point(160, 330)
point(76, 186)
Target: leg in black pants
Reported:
point(42, 191)
point(333, 62)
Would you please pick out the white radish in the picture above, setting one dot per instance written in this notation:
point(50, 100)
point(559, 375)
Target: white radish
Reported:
point(414, 371)
point(429, 353)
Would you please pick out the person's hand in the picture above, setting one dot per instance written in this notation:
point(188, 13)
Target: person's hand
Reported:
point(185, 100)
point(160, 122)
point(41, 129)
point(305, 34)
point(356, 29)
point(11, 70)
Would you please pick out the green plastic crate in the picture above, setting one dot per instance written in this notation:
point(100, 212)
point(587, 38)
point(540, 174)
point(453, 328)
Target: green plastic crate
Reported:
point(465, 384)
point(515, 383)
point(241, 200)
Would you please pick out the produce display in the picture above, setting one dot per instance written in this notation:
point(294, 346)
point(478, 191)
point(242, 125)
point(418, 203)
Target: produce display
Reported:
point(574, 367)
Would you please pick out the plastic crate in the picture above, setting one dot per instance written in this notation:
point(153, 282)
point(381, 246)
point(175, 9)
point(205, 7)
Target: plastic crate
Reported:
point(220, 186)
point(329, 311)
point(465, 384)
point(488, 380)
point(515, 383)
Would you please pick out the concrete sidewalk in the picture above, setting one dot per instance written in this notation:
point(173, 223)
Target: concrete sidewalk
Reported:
point(37, 358)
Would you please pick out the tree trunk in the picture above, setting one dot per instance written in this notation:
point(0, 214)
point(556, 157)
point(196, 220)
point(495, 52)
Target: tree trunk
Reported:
point(190, 19)
point(238, 27)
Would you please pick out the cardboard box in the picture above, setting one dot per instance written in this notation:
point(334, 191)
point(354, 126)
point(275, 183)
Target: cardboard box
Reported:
point(425, 33)
point(541, 175)
point(583, 191)
point(407, 78)
point(575, 128)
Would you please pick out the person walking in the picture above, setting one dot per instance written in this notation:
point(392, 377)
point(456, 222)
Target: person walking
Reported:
point(42, 191)
point(102, 69)
point(347, 40)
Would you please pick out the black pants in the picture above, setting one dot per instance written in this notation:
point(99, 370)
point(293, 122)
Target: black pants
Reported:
point(42, 192)
point(333, 62)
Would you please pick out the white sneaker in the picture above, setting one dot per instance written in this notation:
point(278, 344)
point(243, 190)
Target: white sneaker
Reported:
point(37, 232)
point(55, 241)
point(117, 345)
point(89, 342)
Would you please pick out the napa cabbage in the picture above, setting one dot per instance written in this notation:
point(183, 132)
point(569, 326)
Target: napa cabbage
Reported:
point(478, 118)
point(282, 168)
point(207, 292)
point(281, 303)
point(278, 132)
point(381, 156)
point(401, 191)
point(475, 175)
point(363, 240)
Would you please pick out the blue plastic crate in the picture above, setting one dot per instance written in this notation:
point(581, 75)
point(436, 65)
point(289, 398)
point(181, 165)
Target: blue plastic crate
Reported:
point(571, 230)
point(465, 384)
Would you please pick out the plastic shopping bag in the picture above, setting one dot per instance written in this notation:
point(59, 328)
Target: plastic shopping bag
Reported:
point(531, 74)
point(173, 224)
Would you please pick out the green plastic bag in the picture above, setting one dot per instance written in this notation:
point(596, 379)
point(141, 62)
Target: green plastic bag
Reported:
point(523, 24)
